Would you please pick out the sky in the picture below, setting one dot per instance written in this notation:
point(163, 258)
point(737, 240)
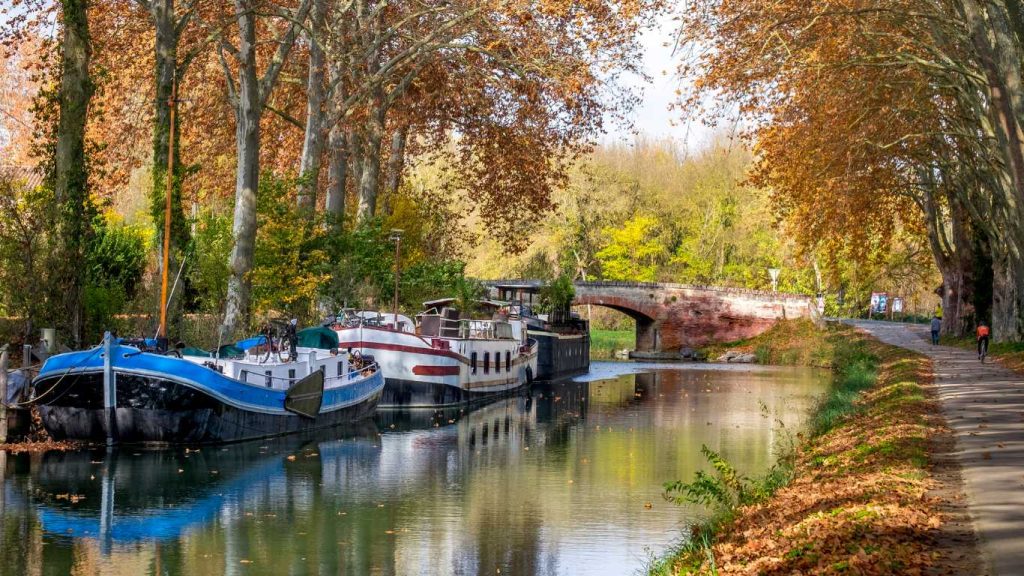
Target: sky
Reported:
point(652, 117)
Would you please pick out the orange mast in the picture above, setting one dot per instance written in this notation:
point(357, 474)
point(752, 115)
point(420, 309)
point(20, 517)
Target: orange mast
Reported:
point(169, 181)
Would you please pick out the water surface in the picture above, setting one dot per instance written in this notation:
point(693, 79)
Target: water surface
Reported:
point(563, 480)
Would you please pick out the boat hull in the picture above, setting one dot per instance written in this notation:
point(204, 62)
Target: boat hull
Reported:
point(561, 355)
point(419, 374)
point(155, 410)
point(400, 393)
point(163, 399)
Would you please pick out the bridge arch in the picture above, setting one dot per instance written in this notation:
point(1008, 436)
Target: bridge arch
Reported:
point(645, 317)
point(670, 317)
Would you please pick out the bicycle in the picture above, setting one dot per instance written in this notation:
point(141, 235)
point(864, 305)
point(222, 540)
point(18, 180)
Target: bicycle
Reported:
point(982, 349)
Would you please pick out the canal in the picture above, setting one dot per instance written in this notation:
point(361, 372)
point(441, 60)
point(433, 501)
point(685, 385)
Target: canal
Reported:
point(564, 480)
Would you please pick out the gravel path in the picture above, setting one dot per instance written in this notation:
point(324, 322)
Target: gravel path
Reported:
point(984, 406)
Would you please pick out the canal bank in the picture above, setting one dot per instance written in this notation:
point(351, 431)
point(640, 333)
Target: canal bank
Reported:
point(983, 403)
point(872, 488)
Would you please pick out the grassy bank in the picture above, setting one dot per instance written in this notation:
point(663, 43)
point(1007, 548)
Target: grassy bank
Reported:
point(788, 343)
point(604, 343)
point(853, 498)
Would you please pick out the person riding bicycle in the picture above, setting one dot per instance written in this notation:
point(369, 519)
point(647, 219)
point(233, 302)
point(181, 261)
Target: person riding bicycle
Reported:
point(982, 334)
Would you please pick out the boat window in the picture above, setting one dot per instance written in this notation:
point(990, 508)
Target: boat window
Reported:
point(291, 375)
point(341, 368)
point(472, 361)
point(270, 379)
point(487, 362)
point(508, 361)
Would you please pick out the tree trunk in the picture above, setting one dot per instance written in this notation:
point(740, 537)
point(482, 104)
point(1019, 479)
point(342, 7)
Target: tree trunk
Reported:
point(355, 157)
point(396, 163)
point(313, 142)
point(958, 279)
point(70, 172)
point(370, 178)
point(248, 110)
point(1007, 296)
point(337, 173)
point(998, 53)
point(248, 99)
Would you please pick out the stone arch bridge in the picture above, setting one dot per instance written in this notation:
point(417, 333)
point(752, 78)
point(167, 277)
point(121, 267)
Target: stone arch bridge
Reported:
point(670, 317)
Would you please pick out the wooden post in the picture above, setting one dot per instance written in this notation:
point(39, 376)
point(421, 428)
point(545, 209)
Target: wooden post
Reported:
point(3, 394)
point(109, 389)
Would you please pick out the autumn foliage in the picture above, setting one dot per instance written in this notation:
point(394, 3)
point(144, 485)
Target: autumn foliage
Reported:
point(342, 98)
point(875, 121)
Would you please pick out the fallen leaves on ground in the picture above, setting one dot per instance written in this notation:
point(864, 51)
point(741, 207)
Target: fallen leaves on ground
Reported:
point(859, 501)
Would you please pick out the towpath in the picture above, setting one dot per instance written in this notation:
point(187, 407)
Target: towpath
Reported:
point(984, 406)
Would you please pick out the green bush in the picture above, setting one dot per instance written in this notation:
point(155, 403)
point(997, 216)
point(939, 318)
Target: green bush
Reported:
point(116, 263)
point(208, 272)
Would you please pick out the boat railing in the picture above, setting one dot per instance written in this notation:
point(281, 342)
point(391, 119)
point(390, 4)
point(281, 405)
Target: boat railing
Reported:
point(269, 379)
point(467, 329)
point(366, 370)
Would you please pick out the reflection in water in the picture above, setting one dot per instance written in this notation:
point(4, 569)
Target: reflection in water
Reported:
point(553, 482)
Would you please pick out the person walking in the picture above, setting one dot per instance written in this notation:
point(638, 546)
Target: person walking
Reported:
point(982, 333)
point(936, 327)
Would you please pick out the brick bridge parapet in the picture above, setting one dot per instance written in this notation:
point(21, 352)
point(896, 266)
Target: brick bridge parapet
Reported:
point(674, 316)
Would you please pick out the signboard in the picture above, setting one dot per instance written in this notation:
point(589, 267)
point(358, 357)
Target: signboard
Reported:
point(897, 305)
point(879, 302)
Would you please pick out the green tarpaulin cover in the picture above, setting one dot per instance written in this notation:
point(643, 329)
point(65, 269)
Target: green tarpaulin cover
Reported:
point(193, 351)
point(318, 337)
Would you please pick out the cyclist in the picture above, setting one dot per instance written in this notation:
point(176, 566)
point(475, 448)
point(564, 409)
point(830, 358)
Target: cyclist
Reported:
point(982, 335)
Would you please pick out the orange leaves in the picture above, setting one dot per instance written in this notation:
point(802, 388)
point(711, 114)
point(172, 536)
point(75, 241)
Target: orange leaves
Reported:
point(860, 502)
point(839, 127)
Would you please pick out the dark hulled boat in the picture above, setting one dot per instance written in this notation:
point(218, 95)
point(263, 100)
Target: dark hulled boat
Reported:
point(195, 400)
point(563, 338)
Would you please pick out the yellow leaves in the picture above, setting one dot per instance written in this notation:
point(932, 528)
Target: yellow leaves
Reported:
point(633, 251)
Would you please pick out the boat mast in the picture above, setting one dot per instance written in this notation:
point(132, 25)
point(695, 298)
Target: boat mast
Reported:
point(169, 187)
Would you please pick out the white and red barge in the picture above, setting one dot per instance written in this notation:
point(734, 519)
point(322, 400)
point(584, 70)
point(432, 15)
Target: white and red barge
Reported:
point(444, 360)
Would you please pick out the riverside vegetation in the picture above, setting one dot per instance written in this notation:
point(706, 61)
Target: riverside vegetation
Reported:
point(855, 493)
